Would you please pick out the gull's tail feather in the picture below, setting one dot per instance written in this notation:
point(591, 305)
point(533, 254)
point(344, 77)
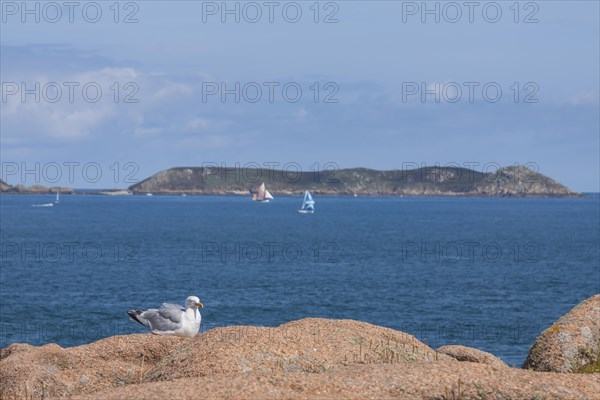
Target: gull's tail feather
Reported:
point(133, 315)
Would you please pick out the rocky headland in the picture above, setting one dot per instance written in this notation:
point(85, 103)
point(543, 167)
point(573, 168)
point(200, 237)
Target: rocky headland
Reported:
point(306, 359)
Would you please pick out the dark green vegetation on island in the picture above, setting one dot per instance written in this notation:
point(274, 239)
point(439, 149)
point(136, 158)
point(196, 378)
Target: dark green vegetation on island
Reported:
point(514, 181)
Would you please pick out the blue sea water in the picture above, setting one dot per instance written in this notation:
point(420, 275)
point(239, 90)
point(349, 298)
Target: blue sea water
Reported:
point(486, 273)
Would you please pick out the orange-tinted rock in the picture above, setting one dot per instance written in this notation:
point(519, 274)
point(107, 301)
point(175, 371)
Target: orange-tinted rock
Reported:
point(469, 354)
point(571, 342)
point(309, 358)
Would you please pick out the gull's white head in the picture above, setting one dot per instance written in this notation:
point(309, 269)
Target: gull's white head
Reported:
point(193, 302)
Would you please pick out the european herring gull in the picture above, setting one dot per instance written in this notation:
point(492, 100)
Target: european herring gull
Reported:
point(171, 319)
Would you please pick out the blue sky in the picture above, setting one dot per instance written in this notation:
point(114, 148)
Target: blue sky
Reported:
point(374, 64)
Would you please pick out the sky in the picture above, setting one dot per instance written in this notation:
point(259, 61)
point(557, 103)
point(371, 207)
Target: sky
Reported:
point(104, 94)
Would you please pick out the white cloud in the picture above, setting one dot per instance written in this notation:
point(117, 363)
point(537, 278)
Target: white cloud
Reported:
point(205, 142)
point(172, 90)
point(583, 98)
point(301, 114)
point(65, 107)
point(146, 131)
point(197, 124)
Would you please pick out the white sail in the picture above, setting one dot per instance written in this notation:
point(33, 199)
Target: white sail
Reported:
point(263, 194)
point(48, 204)
point(308, 204)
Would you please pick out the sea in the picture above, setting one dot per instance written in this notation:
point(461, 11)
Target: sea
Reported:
point(489, 273)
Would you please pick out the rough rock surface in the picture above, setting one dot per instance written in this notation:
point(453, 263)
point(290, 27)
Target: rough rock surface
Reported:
point(519, 181)
point(51, 371)
point(464, 353)
point(570, 343)
point(419, 380)
point(309, 358)
point(308, 345)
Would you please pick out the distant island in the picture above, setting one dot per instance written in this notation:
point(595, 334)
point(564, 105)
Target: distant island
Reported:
point(513, 181)
point(33, 189)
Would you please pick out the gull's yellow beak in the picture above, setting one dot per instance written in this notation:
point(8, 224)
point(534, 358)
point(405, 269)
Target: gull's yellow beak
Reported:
point(199, 305)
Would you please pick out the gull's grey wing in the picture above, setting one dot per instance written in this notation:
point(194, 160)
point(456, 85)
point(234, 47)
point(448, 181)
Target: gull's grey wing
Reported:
point(164, 319)
point(177, 306)
point(171, 312)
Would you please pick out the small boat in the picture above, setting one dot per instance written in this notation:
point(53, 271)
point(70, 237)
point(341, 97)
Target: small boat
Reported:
point(43, 205)
point(308, 204)
point(263, 195)
point(56, 202)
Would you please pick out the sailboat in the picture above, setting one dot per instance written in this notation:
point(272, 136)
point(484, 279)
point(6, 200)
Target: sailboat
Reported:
point(56, 202)
point(308, 204)
point(263, 194)
point(43, 205)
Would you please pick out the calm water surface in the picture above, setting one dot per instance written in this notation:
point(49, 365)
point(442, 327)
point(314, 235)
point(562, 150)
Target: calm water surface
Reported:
point(486, 273)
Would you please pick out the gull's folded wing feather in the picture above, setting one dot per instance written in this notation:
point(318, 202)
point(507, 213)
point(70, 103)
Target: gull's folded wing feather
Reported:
point(174, 314)
point(177, 306)
point(164, 319)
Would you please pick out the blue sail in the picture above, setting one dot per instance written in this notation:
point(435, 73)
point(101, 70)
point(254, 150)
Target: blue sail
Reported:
point(308, 205)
